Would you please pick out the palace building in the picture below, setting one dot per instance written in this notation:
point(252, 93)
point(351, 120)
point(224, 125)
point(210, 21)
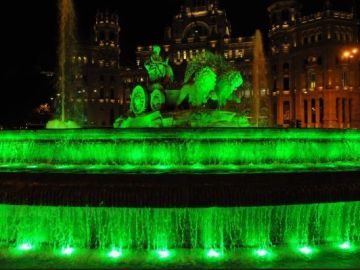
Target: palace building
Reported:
point(102, 86)
point(310, 77)
point(314, 66)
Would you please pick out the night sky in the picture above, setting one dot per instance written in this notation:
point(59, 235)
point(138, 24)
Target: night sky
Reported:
point(29, 38)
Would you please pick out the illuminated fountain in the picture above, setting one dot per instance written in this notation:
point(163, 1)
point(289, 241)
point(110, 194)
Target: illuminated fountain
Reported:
point(260, 83)
point(67, 49)
point(183, 195)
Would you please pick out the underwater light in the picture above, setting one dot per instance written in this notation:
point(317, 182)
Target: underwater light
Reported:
point(25, 246)
point(115, 253)
point(345, 245)
point(163, 254)
point(67, 251)
point(261, 252)
point(213, 253)
point(306, 250)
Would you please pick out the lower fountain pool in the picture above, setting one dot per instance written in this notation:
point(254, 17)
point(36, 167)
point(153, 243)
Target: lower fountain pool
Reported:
point(143, 217)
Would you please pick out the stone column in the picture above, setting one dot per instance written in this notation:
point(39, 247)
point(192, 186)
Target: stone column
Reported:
point(309, 112)
point(317, 109)
point(280, 116)
point(346, 111)
point(300, 110)
point(340, 113)
point(330, 120)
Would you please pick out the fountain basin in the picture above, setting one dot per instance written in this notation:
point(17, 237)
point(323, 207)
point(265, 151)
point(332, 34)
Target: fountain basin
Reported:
point(222, 150)
point(179, 167)
point(218, 229)
point(240, 195)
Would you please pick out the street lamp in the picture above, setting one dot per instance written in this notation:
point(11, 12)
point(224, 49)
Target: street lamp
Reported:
point(350, 53)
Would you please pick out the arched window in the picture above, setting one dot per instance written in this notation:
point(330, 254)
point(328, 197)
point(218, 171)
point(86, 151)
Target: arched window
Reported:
point(311, 80)
point(286, 66)
point(321, 110)
point(275, 85)
point(112, 117)
point(274, 68)
point(197, 31)
point(102, 93)
point(285, 15)
point(274, 18)
point(102, 35)
point(112, 36)
point(306, 119)
point(345, 79)
point(319, 61)
point(286, 84)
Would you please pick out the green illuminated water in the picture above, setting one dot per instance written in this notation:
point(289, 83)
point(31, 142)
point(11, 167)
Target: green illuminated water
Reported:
point(192, 150)
point(221, 229)
point(326, 257)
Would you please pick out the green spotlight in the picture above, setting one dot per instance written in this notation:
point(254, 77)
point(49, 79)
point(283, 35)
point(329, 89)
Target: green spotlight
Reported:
point(262, 252)
point(213, 253)
point(345, 245)
point(25, 246)
point(306, 250)
point(163, 254)
point(115, 253)
point(67, 251)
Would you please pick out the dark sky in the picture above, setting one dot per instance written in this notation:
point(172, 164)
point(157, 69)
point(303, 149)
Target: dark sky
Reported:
point(29, 38)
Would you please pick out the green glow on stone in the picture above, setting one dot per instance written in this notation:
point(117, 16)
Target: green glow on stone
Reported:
point(213, 254)
point(163, 254)
point(262, 252)
point(25, 246)
point(115, 253)
point(345, 245)
point(210, 230)
point(306, 250)
point(67, 251)
point(189, 150)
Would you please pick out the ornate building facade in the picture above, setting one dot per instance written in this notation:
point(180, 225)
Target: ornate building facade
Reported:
point(313, 84)
point(202, 25)
point(101, 84)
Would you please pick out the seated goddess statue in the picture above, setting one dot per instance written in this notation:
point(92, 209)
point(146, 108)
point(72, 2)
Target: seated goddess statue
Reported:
point(157, 68)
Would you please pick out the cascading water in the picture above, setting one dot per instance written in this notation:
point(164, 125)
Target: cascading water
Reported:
point(206, 150)
point(219, 228)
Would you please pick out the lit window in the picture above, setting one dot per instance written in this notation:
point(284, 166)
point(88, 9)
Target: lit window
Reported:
point(312, 80)
point(345, 79)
